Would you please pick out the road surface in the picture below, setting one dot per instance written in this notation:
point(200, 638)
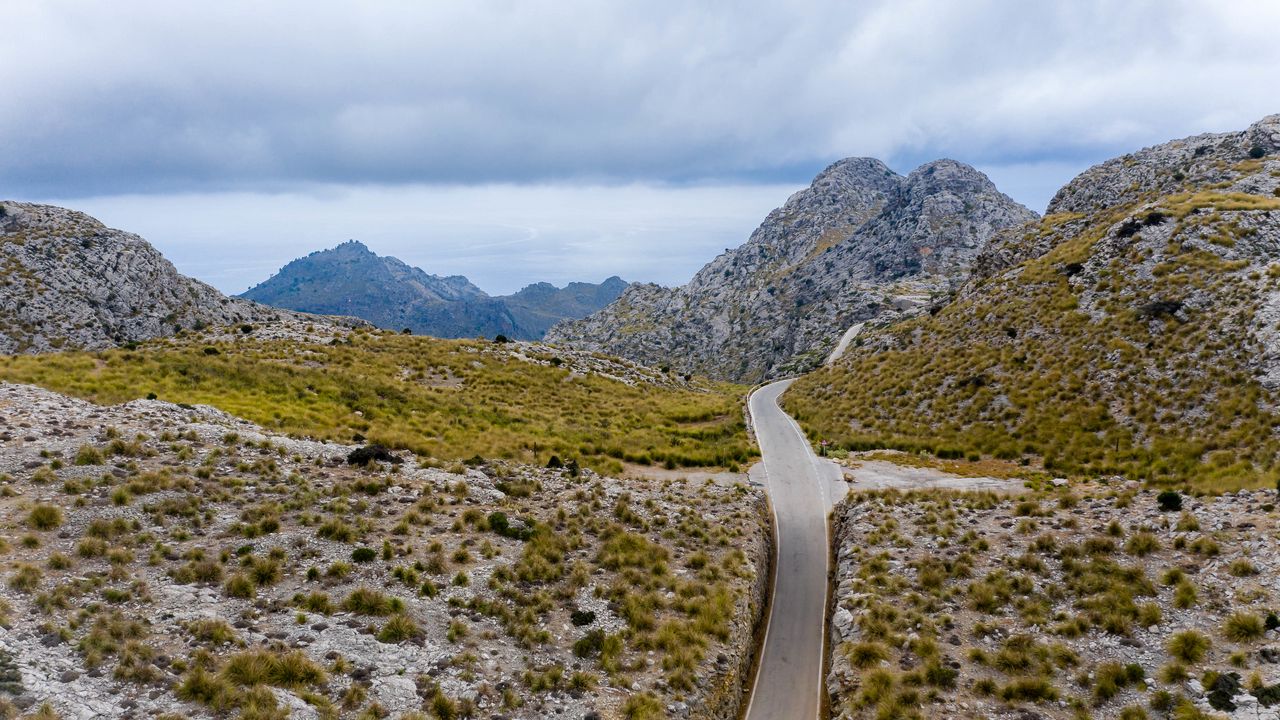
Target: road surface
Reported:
point(843, 345)
point(788, 684)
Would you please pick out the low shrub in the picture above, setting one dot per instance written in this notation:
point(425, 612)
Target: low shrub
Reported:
point(45, 517)
point(1169, 501)
point(398, 628)
point(1188, 646)
point(1243, 627)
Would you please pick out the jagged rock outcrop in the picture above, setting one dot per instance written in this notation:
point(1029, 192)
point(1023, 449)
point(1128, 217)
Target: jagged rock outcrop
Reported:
point(861, 242)
point(352, 280)
point(68, 281)
point(1133, 330)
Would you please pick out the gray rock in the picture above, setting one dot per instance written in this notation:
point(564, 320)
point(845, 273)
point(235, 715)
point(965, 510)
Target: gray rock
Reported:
point(861, 243)
point(72, 282)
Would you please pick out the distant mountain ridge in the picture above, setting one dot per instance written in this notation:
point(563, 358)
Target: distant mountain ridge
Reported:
point(860, 243)
point(69, 282)
point(351, 279)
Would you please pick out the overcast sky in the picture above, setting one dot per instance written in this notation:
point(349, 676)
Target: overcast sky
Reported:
point(518, 140)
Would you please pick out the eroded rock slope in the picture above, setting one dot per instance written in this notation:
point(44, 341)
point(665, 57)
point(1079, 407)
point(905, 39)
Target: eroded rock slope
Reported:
point(1133, 330)
point(860, 242)
point(68, 281)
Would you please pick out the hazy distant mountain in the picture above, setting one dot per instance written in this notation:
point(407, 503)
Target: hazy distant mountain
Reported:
point(541, 305)
point(352, 280)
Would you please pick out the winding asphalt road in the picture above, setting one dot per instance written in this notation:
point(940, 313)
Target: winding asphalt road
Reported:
point(788, 684)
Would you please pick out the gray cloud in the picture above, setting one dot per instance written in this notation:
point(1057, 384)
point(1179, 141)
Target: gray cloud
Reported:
point(157, 97)
point(522, 140)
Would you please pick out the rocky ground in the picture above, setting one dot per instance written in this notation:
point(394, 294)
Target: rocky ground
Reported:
point(164, 560)
point(1077, 601)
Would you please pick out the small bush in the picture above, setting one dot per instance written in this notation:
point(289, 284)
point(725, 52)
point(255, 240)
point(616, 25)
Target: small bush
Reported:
point(1242, 568)
point(1169, 501)
point(240, 586)
point(1188, 646)
point(200, 685)
point(212, 631)
point(398, 628)
point(316, 602)
point(372, 453)
point(26, 579)
point(336, 530)
point(45, 517)
point(1133, 712)
point(643, 707)
point(1110, 678)
point(1142, 544)
point(1185, 595)
point(1243, 627)
point(1029, 690)
point(865, 654)
point(261, 667)
point(88, 455)
point(367, 601)
point(589, 645)
point(198, 571)
point(363, 554)
point(1257, 151)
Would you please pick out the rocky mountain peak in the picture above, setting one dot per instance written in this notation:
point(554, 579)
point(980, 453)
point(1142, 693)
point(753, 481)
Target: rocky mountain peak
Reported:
point(946, 175)
point(1104, 338)
point(834, 254)
point(1185, 165)
point(1265, 134)
point(352, 248)
point(844, 191)
point(71, 282)
point(853, 174)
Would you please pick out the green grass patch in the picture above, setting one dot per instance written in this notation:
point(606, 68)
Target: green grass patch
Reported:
point(380, 387)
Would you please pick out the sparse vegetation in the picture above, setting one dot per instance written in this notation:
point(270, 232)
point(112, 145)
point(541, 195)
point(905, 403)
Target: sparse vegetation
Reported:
point(939, 619)
point(1106, 366)
point(376, 386)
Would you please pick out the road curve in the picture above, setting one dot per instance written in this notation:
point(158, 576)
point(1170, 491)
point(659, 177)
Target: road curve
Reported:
point(788, 683)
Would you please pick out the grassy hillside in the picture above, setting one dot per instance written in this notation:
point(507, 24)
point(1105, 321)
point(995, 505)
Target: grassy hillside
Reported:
point(1135, 343)
point(442, 398)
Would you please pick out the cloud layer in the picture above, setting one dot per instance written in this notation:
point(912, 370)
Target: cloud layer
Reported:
point(134, 96)
point(522, 140)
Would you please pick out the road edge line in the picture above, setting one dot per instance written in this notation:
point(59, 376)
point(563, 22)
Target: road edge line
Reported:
point(767, 611)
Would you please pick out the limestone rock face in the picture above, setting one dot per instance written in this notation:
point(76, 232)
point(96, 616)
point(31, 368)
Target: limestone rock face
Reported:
point(68, 281)
point(861, 242)
point(1140, 317)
